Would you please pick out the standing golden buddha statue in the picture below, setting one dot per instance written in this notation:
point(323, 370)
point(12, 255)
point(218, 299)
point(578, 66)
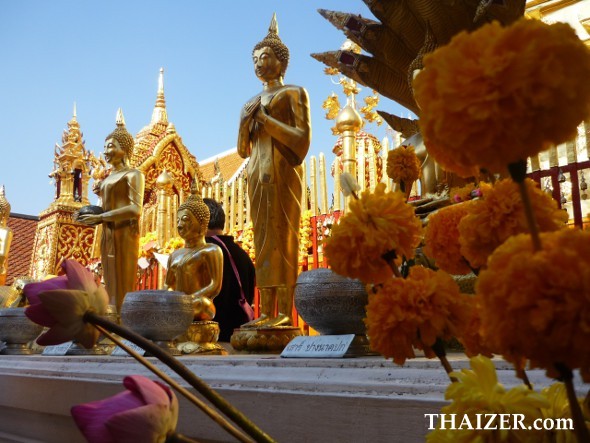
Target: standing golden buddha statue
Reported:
point(275, 132)
point(121, 194)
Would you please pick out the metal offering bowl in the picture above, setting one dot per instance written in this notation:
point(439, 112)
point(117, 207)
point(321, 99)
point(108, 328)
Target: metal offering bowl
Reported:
point(331, 303)
point(17, 331)
point(158, 315)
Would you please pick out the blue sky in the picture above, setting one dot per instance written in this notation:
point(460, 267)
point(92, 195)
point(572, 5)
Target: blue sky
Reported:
point(107, 54)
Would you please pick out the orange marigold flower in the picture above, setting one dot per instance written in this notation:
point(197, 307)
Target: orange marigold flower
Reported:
point(377, 223)
point(471, 335)
point(536, 304)
point(500, 214)
point(403, 165)
point(489, 99)
point(404, 314)
point(462, 194)
point(441, 238)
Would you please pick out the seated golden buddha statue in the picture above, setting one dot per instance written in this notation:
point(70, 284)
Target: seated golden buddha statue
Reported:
point(196, 269)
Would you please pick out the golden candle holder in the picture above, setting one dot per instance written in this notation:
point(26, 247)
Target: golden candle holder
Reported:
point(264, 340)
point(201, 339)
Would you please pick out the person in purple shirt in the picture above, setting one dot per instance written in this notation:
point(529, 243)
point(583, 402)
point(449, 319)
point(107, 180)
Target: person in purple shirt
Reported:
point(233, 304)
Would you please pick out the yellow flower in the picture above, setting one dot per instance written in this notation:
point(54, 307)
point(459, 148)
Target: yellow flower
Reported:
point(499, 95)
point(377, 223)
point(147, 244)
point(500, 214)
point(403, 314)
point(441, 238)
point(559, 408)
point(304, 236)
point(172, 244)
point(403, 165)
point(536, 305)
point(477, 391)
point(247, 240)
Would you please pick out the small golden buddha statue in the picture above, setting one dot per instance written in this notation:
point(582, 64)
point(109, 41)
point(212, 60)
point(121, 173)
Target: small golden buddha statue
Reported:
point(121, 193)
point(275, 132)
point(196, 269)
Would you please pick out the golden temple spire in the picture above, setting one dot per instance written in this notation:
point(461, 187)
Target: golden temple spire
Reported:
point(74, 114)
point(4, 208)
point(160, 114)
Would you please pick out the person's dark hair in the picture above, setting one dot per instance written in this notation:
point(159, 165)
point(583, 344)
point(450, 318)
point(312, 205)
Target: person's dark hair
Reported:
point(217, 219)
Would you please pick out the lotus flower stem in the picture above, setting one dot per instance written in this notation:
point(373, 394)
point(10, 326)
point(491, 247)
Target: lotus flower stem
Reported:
point(518, 173)
point(217, 400)
point(521, 373)
point(579, 423)
point(212, 413)
point(439, 350)
point(179, 438)
point(390, 257)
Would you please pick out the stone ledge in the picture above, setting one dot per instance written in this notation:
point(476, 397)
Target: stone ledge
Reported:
point(329, 400)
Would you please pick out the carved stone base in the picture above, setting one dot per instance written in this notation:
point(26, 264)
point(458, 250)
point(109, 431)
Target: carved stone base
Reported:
point(201, 339)
point(269, 340)
point(78, 349)
point(16, 349)
point(359, 347)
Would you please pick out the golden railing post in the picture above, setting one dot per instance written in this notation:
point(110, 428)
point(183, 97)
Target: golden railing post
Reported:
point(372, 168)
point(304, 199)
point(385, 151)
point(337, 184)
point(348, 123)
point(240, 206)
point(313, 186)
point(362, 165)
point(232, 204)
point(226, 207)
point(323, 185)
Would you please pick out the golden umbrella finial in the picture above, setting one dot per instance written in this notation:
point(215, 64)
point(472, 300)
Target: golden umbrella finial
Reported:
point(74, 115)
point(120, 120)
point(274, 26)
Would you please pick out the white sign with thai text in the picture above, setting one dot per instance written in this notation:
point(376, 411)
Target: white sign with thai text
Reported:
point(318, 346)
point(121, 352)
point(61, 349)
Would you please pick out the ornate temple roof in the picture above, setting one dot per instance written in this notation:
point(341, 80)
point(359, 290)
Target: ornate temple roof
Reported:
point(226, 164)
point(158, 146)
point(21, 248)
point(151, 139)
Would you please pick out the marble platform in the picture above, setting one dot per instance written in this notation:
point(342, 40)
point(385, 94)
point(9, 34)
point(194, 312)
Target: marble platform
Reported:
point(294, 400)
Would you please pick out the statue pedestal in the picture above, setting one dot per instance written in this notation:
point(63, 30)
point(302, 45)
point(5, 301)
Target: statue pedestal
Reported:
point(264, 340)
point(201, 339)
